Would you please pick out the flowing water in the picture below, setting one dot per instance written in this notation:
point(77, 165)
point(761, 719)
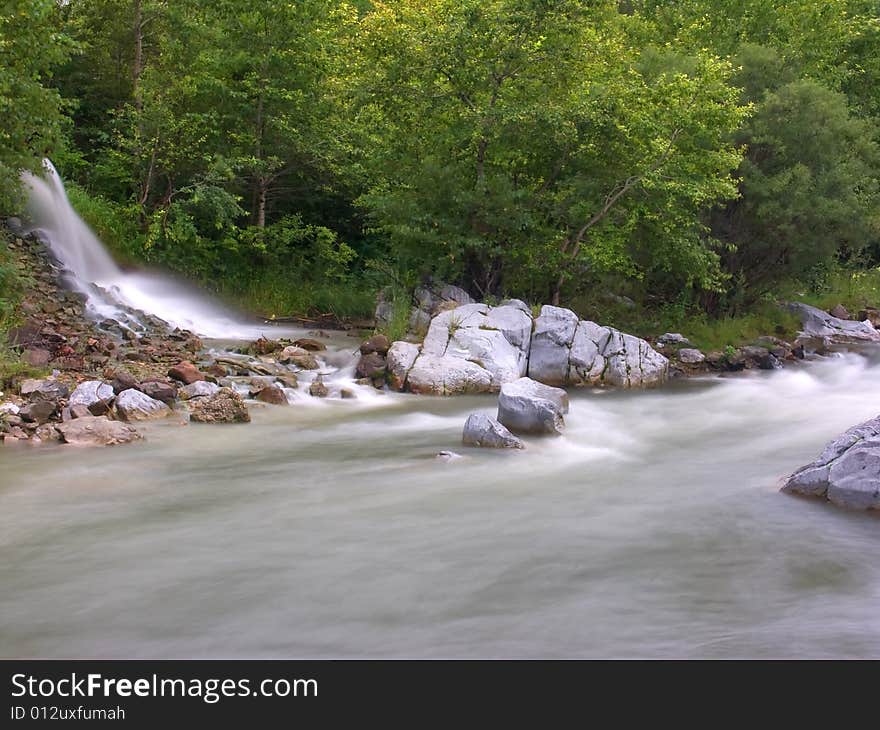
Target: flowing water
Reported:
point(653, 528)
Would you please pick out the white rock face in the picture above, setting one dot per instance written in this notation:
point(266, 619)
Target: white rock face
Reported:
point(551, 345)
point(820, 324)
point(90, 392)
point(199, 389)
point(399, 361)
point(447, 375)
point(132, 405)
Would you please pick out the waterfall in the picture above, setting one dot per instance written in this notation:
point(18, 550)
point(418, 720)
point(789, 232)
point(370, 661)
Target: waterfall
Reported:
point(112, 293)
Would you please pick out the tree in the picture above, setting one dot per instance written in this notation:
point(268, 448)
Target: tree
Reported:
point(31, 46)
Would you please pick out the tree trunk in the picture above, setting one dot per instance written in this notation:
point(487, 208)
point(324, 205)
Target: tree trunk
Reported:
point(138, 65)
point(262, 190)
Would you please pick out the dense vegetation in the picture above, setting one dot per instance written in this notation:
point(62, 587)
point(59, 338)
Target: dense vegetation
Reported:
point(689, 159)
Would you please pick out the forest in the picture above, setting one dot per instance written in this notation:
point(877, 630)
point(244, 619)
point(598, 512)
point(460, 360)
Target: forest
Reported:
point(646, 163)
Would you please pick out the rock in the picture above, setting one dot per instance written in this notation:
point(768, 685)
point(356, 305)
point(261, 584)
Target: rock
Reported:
point(123, 380)
point(605, 356)
point(526, 406)
point(100, 407)
point(133, 405)
point(185, 372)
point(79, 411)
point(673, 338)
point(35, 357)
point(840, 312)
point(46, 433)
point(91, 392)
point(399, 361)
point(318, 389)
point(376, 344)
point(483, 430)
point(433, 375)
point(847, 473)
point(311, 345)
point(447, 456)
point(38, 411)
point(296, 355)
point(97, 431)
point(263, 346)
point(225, 406)
point(870, 314)
point(819, 324)
point(216, 370)
point(760, 357)
point(9, 408)
point(48, 389)
point(690, 356)
point(347, 394)
point(199, 389)
point(517, 304)
point(272, 395)
point(165, 392)
point(551, 345)
point(371, 366)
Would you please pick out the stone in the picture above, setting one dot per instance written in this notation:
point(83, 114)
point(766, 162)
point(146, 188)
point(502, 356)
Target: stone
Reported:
point(839, 311)
point(820, 325)
point(48, 389)
point(97, 431)
point(447, 456)
point(133, 405)
point(272, 395)
point(78, 410)
point(100, 407)
point(371, 366)
point(673, 338)
point(527, 406)
point(264, 346)
point(690, 356)
point(38, 411)
point(165, 392)
point(216, 370)
point(225, 406)
point(318, 389)
point(199, 389)
point(185, 372)
point(309, 344)
point(91, 392)
point(296, 355)
point(347, 394)
point(377, 343)
point(399, 361)
point(36, 357)
point(47, 433)
point(760, 357)
point(551, 345)
point(847, 473)
point(123, 380)
point(483, 430)
point(870, 314)
point(447, 375)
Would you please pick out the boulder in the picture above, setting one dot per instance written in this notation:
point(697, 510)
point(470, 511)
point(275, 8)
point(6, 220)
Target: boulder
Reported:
point(91, 392)
point(97, 431)
point(847, 473)
point(551, 345)
point(483, 430)
point(123, 380)
point(447, 375)
point(675, 339)
point(371, 366)
point(839, 311)
point(36, 357)
point(605, 356)
point(819, 324)
point(38, 411)
point(272, 395)
point(79, 411)
point(690, 356)
point(526, 406)
point(296, 355)
point(165, 392)
point(48, 389)
point(871, 315)
point(185, 372)
point(199, 389)
point(225, 406)
point(317, 389)
point(133, 405)
point(760, 357)
point(378, 344)
point(399, 361)
point(310, 345)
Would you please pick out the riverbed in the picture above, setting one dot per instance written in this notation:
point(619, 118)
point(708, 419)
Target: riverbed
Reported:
point(653, 528)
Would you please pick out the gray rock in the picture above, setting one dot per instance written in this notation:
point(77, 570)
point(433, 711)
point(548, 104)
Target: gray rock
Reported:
point(517, 304)
point(691, 356)
point(48, 389)
point(526, 406)
point(447, 375)
point(483, 430)
point(551, 345)
point(164, 392)
point(132, 405)
point(672, 338)
point(97, 431)
point(847, 472)
point(38, 411)
point(90, 392)
point(199, 389)
point(820, 324)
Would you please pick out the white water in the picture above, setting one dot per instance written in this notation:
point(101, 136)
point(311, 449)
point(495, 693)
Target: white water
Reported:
point(80, 251)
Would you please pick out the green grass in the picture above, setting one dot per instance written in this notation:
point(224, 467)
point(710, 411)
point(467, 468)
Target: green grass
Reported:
point(854, 289)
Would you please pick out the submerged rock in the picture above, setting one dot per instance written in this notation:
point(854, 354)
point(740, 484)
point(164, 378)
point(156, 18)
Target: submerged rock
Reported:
point(483, 430)
point(527, 406)
point(225, 406)
point(847, 473)
point(317, 389)
point(97, 431)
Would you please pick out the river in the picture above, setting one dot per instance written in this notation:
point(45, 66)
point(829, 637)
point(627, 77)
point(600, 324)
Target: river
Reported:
point(653, 528)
